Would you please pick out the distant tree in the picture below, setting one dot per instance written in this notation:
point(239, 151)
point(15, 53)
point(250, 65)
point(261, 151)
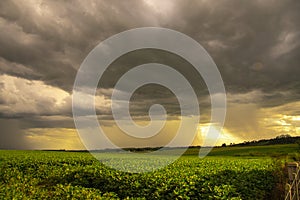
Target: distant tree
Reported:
point(283, 136)
point(224, 145)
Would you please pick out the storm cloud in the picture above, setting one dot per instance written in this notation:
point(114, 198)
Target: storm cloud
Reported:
point(255, 44)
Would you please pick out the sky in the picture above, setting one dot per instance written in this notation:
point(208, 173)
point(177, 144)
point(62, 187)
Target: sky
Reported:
point(255, 45)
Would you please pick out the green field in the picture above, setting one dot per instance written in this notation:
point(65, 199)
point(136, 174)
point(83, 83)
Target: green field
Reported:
point(280, 150)
point(228, 173)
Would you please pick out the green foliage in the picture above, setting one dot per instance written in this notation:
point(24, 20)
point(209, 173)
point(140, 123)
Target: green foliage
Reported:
point(298, 143)
point(281, 150)
point(294, 156)
point(66, 175)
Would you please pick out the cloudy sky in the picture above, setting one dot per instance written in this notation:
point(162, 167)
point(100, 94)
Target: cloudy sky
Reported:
point(255, 44)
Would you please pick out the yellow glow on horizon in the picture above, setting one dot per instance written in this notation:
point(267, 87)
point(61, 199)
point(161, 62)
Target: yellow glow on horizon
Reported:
point(215, 137)
point(207, 134)
point(292, 118)
point(285, 124)
point(296, 118)
point(53, 138)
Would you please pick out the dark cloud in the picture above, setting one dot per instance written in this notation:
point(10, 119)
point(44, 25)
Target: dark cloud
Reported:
point(53, 38)
point(239, 35)
point(255, 44)
point(12, 135)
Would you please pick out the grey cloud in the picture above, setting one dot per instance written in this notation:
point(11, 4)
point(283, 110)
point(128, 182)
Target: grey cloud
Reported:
point(54, 121)
point(11, 134)
point(22, 97)
point(255, 45)
point(245, 33)
point(52, 38)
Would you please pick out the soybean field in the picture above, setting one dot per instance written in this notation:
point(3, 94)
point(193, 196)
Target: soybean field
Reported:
point(78, 175)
